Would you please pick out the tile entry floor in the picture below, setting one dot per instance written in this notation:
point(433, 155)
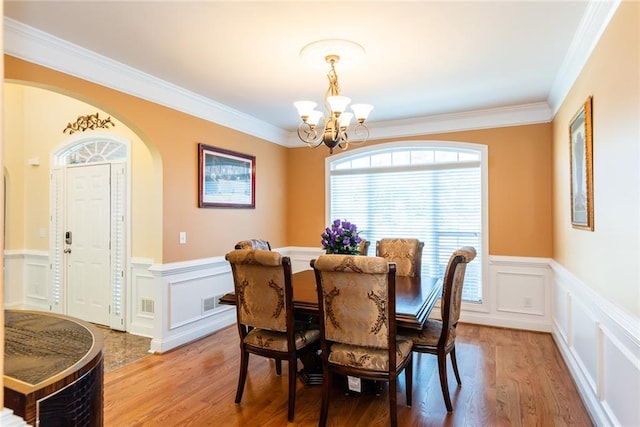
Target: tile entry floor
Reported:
point(122, 348)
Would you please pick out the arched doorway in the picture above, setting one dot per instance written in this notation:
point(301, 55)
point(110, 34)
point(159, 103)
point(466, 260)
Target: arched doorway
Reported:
point(89, 228)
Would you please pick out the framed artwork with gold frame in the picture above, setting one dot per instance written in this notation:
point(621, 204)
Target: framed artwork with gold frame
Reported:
point(581, 161)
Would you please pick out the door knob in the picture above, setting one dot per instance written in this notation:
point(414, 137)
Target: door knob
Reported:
point(67, 251)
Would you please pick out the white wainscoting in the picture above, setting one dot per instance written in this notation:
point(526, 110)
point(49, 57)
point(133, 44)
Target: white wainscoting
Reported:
point(26, 278)
point(141, 298)
point(517, 295)
point(601, 346)
point(179, 291)
point(599, 342)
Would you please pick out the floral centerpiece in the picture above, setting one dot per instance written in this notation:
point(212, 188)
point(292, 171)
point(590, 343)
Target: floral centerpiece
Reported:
point(341, 238)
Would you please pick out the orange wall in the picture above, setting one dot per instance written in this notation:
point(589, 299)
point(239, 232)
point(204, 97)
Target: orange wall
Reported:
point(606, 259)
point(520, 189)
point(175, 136)
point(290, 196)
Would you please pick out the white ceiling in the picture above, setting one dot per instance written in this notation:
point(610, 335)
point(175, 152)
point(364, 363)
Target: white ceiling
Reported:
point(423, 58)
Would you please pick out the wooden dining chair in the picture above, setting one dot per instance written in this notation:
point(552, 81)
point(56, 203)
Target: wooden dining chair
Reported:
point(264, 293)
point(363, 247)
point(357, 301)
point(406, 253)
point(439, 337)
point(254, 244)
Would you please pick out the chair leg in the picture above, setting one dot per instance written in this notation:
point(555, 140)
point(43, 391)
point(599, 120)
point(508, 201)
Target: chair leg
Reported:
point(454, 362)
point(244, 365)
point(326, 388)
point(442, 369)
point(278, 367)
point(408, 380)
point(292, 387)
point(393, 401)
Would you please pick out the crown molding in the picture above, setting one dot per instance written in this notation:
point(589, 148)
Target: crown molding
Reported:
point(32, 45)
point(585, 39)
point(534, 113)
point(480, 119)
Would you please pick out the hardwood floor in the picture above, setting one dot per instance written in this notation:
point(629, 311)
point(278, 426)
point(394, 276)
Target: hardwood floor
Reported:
point(509, 378)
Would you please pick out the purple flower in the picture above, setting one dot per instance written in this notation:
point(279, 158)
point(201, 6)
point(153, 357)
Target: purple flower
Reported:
point(341, 238)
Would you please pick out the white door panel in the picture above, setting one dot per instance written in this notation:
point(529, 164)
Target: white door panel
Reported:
point(88, 250)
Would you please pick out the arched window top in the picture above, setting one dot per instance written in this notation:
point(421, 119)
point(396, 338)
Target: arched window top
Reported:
point(92, 151)
point(395, 156)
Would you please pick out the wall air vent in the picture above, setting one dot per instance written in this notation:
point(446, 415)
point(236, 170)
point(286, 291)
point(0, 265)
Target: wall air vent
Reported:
point(147, 306)
point(208, 304)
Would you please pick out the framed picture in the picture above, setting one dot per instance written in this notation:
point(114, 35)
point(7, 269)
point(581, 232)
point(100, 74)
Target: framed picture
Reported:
point(581, 158)
point(226, 179)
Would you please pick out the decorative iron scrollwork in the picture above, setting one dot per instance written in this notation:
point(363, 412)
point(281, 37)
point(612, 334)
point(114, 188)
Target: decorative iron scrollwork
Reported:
point(91, 121)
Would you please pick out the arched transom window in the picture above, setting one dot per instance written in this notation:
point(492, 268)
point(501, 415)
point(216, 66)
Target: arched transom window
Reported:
point(91, 151)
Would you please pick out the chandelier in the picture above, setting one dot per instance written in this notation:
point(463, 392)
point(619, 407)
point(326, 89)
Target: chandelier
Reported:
point(334, 127)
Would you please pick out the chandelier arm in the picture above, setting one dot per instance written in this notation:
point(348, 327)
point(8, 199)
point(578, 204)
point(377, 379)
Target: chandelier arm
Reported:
point(315, 144)
point(361, 131)
point(327, 107)
point(344, 139)
point(309, 135)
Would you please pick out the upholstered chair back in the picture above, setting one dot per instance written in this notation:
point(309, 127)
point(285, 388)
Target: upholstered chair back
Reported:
point(357, 302)
point(452, 287)
point(355, 299)
point(363, 247)
point(406, 253)
point(259, 279)
point(258, 244)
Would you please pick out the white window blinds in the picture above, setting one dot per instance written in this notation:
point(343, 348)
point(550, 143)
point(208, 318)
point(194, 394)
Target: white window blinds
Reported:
point(432, 194)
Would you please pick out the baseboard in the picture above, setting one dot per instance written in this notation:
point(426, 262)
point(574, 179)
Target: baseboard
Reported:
point(215, 323)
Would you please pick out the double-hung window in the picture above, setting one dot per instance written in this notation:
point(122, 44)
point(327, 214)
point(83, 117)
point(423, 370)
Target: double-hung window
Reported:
point(433, 191)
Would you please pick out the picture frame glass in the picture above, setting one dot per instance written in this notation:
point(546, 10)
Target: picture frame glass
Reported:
point(226, 178)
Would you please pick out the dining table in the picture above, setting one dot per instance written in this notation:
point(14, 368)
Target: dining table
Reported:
point(415, 298)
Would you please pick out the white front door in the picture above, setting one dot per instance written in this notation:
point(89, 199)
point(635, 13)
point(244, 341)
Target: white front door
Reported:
point(87, 240)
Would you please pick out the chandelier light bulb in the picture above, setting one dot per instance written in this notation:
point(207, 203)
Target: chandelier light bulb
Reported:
point(338, 103)
point(305, 108)
point(345, 120)
point(314, 117)
point(361, 111)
